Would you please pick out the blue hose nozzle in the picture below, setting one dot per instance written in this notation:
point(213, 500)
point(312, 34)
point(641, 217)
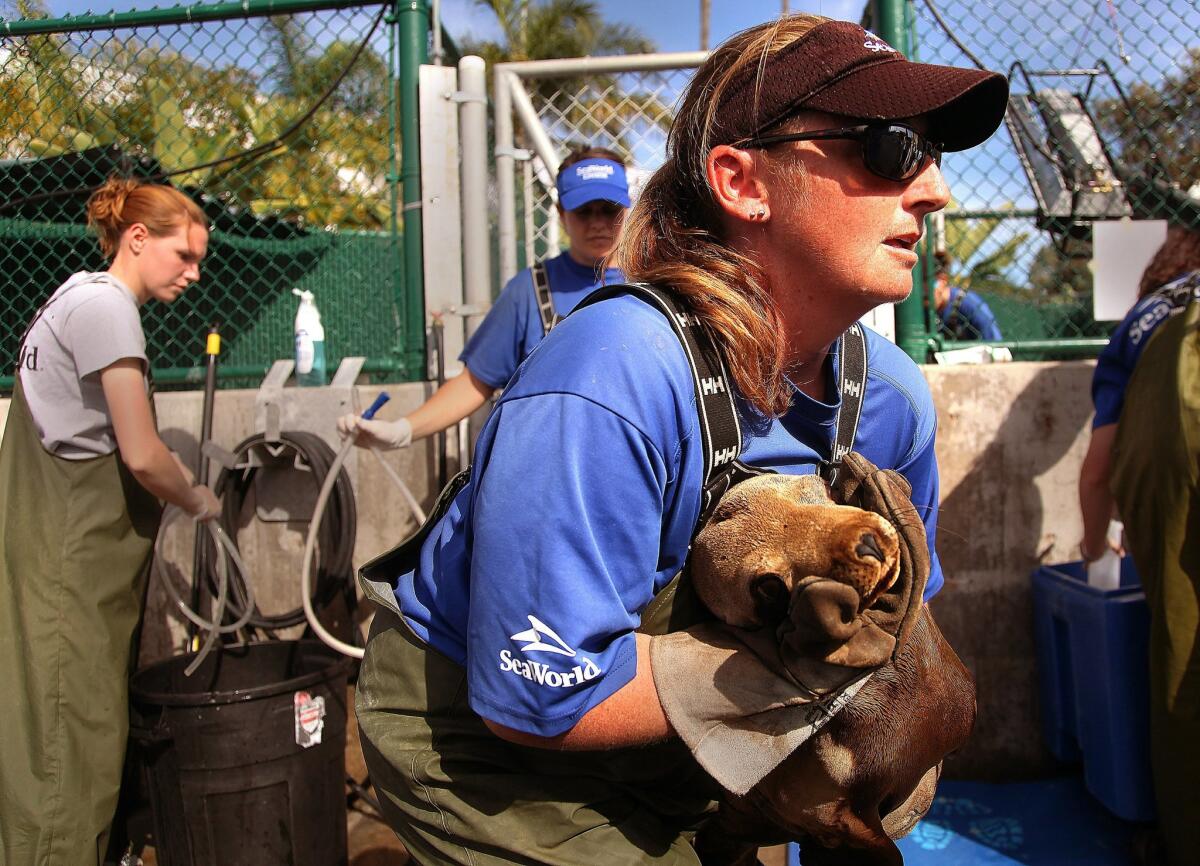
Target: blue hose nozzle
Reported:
point(376, 406)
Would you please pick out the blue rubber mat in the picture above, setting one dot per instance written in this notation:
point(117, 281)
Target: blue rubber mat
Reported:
point(1052, 822)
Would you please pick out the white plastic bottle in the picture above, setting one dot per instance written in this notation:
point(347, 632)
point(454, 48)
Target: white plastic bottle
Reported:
point(1105, 572)
point(310, 341)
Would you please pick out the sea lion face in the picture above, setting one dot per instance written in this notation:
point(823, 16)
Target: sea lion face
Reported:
point(774, 533)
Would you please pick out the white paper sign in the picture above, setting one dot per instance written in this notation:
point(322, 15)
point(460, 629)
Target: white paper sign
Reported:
point(1121, 249)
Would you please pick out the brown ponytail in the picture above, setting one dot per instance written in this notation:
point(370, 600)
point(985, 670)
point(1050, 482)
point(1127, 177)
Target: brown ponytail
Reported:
point(121, 202)
point(673, 237)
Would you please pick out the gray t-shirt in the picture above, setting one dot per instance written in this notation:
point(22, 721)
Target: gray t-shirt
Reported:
point(89, 322)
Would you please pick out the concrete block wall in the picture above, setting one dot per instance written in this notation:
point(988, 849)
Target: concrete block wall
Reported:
point(1010, 441)
point(1011, 438)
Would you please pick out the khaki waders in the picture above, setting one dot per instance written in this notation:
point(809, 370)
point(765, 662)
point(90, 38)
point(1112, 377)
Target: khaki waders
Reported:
point(455, 793)
point(76, 538)
point(1155, 466)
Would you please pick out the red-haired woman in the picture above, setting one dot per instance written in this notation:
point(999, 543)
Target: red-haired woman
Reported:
point(82, 473)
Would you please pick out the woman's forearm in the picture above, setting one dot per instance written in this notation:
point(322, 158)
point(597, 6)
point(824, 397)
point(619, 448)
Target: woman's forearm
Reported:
point(455, 400)
point(1095, 499)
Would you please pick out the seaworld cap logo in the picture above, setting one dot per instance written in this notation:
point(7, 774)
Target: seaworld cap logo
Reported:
point(874, 43)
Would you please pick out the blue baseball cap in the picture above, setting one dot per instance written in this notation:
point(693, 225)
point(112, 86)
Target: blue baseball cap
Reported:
point(593, 180)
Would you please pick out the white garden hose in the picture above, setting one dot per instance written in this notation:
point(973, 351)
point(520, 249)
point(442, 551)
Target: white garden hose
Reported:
point(310, 543)
point(222, 543)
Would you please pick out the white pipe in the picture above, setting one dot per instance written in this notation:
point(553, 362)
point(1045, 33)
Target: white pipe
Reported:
point(532, 125)
point(609, 63)
point(505, 182)
point(472, 127)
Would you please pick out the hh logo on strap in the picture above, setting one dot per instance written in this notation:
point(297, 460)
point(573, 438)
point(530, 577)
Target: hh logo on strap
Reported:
point(852, 388)
point(712, 385)
point(724, 456)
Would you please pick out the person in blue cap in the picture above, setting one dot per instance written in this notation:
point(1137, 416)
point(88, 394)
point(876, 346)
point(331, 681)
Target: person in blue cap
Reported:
point(593, 198)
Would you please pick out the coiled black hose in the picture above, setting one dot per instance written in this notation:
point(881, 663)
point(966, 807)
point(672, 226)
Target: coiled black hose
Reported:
point(335, 539)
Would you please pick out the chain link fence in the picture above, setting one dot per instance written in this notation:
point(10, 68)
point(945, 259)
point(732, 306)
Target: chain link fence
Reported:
point(1104, 124)
point(281, 126)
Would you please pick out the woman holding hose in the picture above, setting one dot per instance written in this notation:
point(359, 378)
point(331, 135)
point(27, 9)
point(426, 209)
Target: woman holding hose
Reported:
point(83, 474)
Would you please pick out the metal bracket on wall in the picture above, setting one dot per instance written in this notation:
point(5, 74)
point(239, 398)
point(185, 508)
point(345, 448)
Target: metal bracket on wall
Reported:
point(268, 402)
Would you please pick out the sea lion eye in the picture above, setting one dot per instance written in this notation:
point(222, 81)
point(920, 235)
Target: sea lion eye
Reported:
point(770, 596)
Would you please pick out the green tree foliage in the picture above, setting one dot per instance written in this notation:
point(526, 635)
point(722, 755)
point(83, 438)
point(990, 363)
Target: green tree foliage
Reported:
point(554, 28)
point(319, 151)
point(1163, 126)
point(1061, 272)
point(978, 261)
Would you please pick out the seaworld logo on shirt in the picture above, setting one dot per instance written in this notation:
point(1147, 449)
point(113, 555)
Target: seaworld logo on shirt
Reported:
point(540, 638)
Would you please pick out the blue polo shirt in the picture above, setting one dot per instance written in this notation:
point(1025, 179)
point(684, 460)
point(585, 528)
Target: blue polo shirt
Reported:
point(1115, 364)
point(969, 318)
point(513, 326)
point(584, 497)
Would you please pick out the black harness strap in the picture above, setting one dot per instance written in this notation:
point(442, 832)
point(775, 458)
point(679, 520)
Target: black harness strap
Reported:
point(720, 429)
point(545, 301)
point(956, 323)
point(852, 386)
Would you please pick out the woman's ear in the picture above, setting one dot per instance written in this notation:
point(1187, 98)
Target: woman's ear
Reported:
point(735, 177)
point(137, 234)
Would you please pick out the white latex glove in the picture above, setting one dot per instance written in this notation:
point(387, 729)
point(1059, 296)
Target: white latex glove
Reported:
point(204, 504)
point(376, 434)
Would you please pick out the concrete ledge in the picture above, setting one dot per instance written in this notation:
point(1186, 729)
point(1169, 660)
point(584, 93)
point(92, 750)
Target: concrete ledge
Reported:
point(1010, 441)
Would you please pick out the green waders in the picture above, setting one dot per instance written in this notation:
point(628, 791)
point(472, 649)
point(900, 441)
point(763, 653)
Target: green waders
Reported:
point(75, 540)
point(1155, 466)
point(455, 793)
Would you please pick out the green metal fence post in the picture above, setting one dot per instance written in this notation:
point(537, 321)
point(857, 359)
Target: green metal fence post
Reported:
point(413, 20)
point(891, 23)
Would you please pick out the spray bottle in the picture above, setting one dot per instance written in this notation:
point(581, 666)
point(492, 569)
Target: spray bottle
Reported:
point(310, 341)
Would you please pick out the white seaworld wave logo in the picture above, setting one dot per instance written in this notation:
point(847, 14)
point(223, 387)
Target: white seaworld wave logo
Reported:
point(539, 637)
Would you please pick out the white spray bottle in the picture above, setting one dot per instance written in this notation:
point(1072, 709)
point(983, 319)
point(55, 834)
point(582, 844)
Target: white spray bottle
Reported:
point(310, 341)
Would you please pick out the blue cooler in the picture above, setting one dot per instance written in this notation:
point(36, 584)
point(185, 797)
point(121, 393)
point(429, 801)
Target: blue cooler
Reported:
point(1092, 661)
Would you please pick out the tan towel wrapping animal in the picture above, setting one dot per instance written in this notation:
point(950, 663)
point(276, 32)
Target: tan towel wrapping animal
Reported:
point(814, 593)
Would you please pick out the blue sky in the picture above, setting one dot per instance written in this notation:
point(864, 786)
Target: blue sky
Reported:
point(673, 24)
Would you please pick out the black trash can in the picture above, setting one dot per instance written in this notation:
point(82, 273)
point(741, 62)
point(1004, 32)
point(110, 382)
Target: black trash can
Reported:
point(245, 759)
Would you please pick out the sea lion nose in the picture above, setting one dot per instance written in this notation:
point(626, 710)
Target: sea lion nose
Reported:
point(868, 547)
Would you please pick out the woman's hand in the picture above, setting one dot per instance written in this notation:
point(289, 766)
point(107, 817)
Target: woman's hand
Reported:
point(205, 505)
point(375, 434)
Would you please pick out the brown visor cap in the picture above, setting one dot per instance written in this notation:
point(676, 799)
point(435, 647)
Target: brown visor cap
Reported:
point(840, 68)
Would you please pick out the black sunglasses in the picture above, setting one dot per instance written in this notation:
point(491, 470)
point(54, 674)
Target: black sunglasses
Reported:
point(894, 151)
